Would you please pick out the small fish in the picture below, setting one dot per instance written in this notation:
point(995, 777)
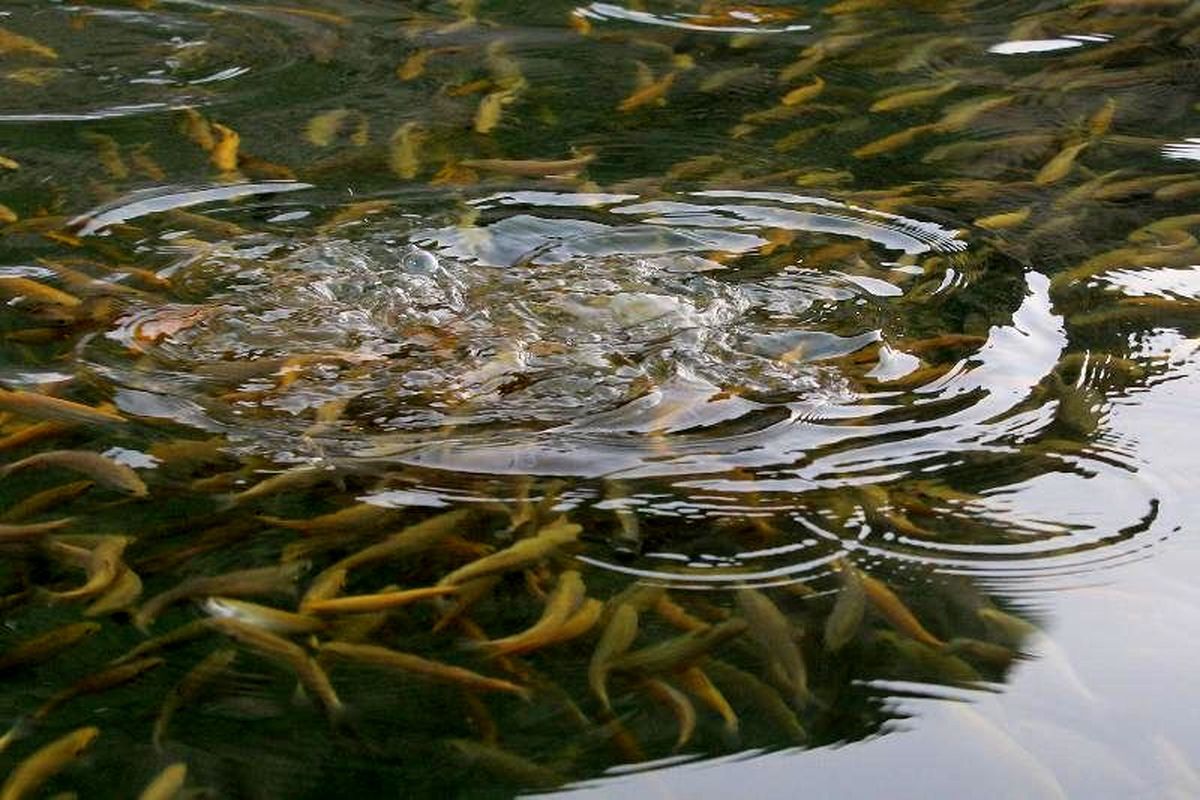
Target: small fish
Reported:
point(294, 479)
point(1178, 191)
point(29, 776)
point(224, 153)
point(329, 583)
point(96, 683)
point(802, 94)
point(108, 152)
point(416, 538)
point(175, 637)
point(470, 87)
point(254, 582)
point(197, 129)
point(1100, 122)
point(1004, 220)
point(963, 114)
point(99, 468)
point(677, 615)
point(167, 784)
point(469, 593)
point(531, 168)
point(307, 670)
point(618, 636)
point(29, 290)
point(414, 65)
point(16, 44)
point(1027, 145)
point(990, 653)
point(284, 623)
point(568, 594)
point(189, 688)
point(103, 564)
point(653, 93)
point(404, 151)
point(44, 407)
point(508, 767)
point(894, 611)
point(680, 705)
point(579, 623)
point(519, 555)
point(491, 108)
point(260, 168)
point(695, 682)
point(322, 129)
point(145, 165)
point(678, 653)
point(844, 620)
point(385, 658)
point(361, 516)
point(29, 532)
point(368, 603)
point(913, 97)
point(776, 637)
point(747, 689)
point(54, 497)
point(1060, 166)
point(120, 596)
point(893, 141)
point(720, 80)
point(45, 646)
point(354, 212)
point(1011, 628)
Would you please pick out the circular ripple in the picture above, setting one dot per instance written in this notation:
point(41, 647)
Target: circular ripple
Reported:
point(810, 376)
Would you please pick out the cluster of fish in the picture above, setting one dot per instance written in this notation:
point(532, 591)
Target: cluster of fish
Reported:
point(202, 590)
point(489, 603)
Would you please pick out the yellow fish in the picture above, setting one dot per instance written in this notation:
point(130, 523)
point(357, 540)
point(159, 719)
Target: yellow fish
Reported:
point(802, 94)
point(29, 776)
point(46, 645)
point(520, 554)
point(40, 406)
point(655, 92)
point(567, 596)
point(167, 784)
point(385, 658)
point(100, 468)
point(16, 44)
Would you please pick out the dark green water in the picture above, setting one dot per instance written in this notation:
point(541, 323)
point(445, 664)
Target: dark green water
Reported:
point(869, 324)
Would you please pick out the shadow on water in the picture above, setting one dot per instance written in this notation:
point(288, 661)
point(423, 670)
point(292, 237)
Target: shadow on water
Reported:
point(495, 397)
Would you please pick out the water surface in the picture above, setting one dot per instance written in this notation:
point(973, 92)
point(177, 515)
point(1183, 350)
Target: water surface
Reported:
point(878, 317)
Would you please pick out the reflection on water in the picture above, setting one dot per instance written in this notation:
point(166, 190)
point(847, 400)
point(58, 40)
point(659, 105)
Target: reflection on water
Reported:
point(480, 398)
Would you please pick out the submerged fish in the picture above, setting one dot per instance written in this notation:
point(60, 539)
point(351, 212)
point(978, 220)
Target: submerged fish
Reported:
point(680, 652)
point(44, 407)
point(508, 767)
point(167, 784)
point(29, 776)
point(521, 554)
point(46, 645)
point(101, 469)
point(382, 657)
point(618, 636)
point(188, 688)
point(568, 595)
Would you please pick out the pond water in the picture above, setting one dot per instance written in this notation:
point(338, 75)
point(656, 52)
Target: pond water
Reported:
point(624, 399)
